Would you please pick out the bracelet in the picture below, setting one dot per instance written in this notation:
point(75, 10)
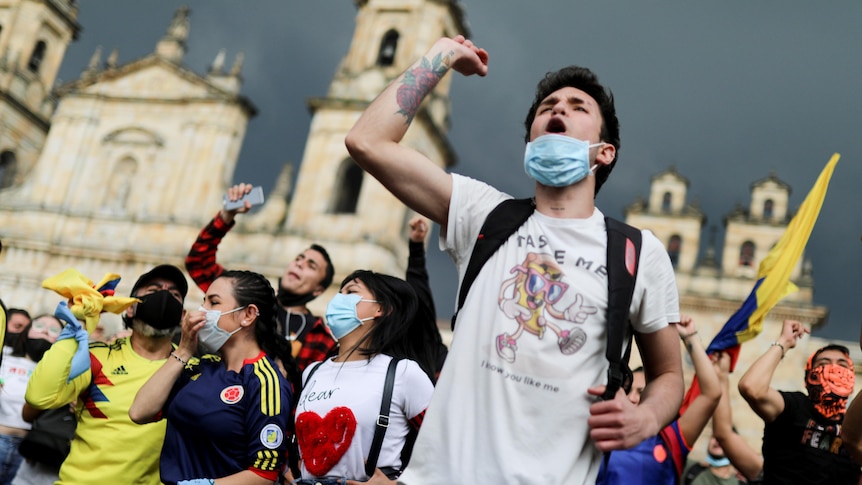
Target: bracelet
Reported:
point(778, 344)
point(683, 337)
point(184, 362)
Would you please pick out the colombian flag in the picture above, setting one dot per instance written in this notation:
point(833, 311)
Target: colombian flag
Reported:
point(773, 276)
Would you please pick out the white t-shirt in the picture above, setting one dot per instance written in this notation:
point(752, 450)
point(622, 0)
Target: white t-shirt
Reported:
point(15, 372)
point(511, 404)
point(358, 387)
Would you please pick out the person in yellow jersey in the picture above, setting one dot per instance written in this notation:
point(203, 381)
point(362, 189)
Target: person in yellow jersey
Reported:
point(108, 447)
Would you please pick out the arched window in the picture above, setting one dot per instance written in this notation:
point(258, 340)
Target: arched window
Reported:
point(768, 208)
point(665, 202)
point(386, 56)
point(37, 56)
point(746, 254)
point(8, 167)
point(674, 246)
point(348, 184)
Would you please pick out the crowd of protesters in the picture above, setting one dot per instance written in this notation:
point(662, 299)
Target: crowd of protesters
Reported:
point(249, 386)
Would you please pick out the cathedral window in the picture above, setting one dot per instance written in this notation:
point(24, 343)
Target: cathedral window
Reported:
point(746, 254)
point(666, 202)
point(386, 56)
point(768, 209)
point(674, 245)
point(37, 56)
point(8, 167)
point(348, 184)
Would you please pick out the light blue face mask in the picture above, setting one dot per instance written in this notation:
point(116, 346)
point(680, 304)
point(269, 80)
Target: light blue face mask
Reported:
point(211, 337)
point(558, 160)
point(341, 315)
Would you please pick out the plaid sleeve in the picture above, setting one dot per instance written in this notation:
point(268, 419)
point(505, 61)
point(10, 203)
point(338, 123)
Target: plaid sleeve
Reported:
point(201, 261)
point(316, 346)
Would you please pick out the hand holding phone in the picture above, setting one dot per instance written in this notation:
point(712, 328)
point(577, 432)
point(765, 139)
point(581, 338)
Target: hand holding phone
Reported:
point(254, 197)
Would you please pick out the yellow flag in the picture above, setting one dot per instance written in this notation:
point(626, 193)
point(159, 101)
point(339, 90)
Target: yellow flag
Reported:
point(775, 269)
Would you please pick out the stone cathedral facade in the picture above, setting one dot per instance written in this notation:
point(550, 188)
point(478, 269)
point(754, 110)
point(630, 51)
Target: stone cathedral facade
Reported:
point(77, 184)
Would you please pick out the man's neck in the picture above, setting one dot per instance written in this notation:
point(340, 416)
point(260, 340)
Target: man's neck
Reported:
point(151, 348)
point(572, 202)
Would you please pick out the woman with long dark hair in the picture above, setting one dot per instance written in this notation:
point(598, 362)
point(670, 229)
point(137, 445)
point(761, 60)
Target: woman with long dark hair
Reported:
point(228, 413)
point(373, 318)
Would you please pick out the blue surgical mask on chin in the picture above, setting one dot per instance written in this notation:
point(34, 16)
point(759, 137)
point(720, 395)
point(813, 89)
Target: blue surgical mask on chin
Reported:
point(558, 160)
point(211, 337)
point(341, 315)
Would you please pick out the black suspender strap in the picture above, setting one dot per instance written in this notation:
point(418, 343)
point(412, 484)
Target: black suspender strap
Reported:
point(382, 419)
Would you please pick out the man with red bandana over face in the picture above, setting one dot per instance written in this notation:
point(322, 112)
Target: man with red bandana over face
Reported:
point(801, 440)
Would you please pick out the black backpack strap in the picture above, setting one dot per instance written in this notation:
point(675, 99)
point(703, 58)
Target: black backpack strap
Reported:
point(623, 259)
point(501, 223)
point(382, 419)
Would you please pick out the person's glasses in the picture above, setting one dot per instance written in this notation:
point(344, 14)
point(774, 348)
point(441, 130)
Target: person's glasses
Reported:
point(52, 330)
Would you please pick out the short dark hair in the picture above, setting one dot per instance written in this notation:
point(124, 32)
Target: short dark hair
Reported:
point(585, 80)
point(810, 364)
point(330, 269)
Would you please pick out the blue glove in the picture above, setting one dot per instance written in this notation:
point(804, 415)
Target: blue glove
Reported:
point(73, 329)
point(197, 481)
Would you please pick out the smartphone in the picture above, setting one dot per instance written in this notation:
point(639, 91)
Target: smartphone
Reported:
point(255, 196)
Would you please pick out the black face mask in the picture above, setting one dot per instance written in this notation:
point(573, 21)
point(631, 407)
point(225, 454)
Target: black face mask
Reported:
point(288, 299)
point(9, 339)
point(159, 310)
point(36, 348)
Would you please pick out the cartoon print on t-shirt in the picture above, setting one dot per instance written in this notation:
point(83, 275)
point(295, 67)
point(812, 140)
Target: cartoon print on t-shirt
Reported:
point(529, 298)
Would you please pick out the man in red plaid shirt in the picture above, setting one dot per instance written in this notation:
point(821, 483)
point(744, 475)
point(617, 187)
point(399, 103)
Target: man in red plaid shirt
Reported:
point(303, 280)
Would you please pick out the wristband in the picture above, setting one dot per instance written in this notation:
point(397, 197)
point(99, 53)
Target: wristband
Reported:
point(778, 344)
point(184, 362)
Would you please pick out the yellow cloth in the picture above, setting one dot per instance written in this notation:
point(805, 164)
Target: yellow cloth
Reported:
point(85, 301)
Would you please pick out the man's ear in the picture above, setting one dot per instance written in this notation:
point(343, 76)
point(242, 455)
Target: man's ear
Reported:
point(605, 154)
point(318, 291)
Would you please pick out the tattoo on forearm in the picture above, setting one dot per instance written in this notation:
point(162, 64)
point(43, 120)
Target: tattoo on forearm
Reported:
point(419, 81)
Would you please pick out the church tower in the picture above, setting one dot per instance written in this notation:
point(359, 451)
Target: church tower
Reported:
point(335, 202)
point(34, 35)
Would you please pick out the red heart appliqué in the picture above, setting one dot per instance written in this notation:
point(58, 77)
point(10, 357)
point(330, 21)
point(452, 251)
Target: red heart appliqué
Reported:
point(323, 441)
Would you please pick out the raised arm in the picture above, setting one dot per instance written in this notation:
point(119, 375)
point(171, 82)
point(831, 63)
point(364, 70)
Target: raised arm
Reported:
point(201, 261)
point(49, 385)
point(754, 384)
point(700, 409)
point(741, 455)
point(374, 142)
